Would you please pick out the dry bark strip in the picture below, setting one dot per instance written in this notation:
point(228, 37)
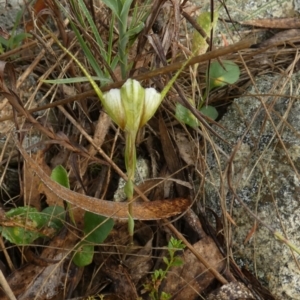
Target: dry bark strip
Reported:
point(282, 23)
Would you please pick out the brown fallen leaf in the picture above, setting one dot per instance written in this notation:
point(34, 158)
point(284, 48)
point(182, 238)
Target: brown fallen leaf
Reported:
point(32, 195)
point(171, 156)
point(155, 210)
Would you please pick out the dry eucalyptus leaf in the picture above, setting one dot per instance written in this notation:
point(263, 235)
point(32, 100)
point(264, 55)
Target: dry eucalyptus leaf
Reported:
point(187, 148)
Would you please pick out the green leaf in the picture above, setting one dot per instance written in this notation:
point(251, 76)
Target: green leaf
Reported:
point(135, 30)
point(30, 221)
point(28, 218)
point(60, 175)
point(185, 116)
point(177, 261)
point(23, 213)
point(115, 6)
point(16, 40)
point(17, 21)
point(199, 44)
point(97, 228)
point(158, 274)
point(175, 244)
point(54, 216)
point(166, 261)
point(165, 296)
point(86, 49)
point(84, 255)
point(93, 26)
point(20, 236)
point(3, 41)
point(210, 112)
point(220, 75)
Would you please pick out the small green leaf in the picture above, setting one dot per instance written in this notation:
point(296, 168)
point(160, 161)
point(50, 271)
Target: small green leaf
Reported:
point(102, 224)
point(210, 112)
point(24, 213)
point(60, 175)
point(185, 116)
point(84, 255)
point(177, 261)
point(166, 261)
point(16, 40)
point(22, 210)
point(3, 41)
point(135, 30)
point(199, 44)
point(158, 274)
point(19, 235)
point(220, 75)
point(115, 6)
point(30, 221)
point(54, 216)
point(165, 296)
point(175, 244)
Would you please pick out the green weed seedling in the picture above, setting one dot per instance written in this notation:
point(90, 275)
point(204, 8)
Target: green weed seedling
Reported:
point(159, 275)
point(15, 38)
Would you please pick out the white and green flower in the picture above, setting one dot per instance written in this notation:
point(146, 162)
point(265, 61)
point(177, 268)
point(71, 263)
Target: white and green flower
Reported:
point(132, 106)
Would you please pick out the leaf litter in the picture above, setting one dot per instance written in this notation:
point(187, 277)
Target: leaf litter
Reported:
point(51, 274)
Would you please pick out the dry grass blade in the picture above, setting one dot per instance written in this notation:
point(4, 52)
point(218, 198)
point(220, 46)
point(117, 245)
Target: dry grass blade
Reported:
point(6, 287)
point(284, 23)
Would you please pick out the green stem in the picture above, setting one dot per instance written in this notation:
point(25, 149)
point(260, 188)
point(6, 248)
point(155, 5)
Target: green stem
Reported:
point(123, 36)
point(130, 162)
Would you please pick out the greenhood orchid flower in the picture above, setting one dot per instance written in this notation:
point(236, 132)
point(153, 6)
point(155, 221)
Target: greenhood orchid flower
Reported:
point(132, 106)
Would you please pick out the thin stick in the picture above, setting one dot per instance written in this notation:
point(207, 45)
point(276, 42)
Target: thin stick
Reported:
point(6, 287)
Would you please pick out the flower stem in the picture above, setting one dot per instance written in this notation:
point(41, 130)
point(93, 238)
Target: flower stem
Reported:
point(130, 162)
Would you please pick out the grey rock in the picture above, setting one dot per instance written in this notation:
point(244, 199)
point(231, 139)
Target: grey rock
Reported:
point(8, 13)
point(265, 176)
